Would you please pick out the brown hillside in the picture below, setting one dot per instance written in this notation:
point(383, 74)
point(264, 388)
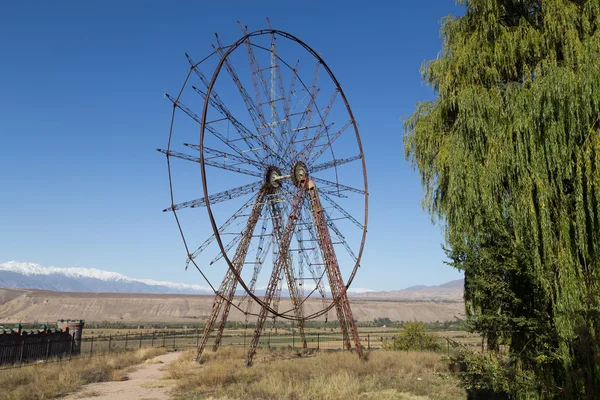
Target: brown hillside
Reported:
point(30, 305)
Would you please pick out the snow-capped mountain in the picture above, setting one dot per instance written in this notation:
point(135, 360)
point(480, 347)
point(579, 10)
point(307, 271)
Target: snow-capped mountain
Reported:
point(24, 275)
point(34, 276)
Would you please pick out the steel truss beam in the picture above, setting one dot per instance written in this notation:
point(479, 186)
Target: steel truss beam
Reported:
point(218, 197)
point(280, 263)
point(289, 273)
point(336, 283)
point(227, 288)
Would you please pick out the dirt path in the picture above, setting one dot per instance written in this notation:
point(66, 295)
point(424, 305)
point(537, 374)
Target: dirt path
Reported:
point(142, 384)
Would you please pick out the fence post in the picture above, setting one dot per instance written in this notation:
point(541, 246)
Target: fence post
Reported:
point(164, 336)
point(140, 340)
point(71, 349)
point(152, 342)
point(318, 341)
point(109, 343)
point(92, 347)
point(48, 350)
point(369, 342)
point(245, 338)
point(293, 338)
point(269, 344)
point(174, 335)
point(21, 354)
point(126, 337)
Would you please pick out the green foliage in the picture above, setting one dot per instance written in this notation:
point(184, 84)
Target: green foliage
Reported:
point(491, 375)
point(413, 336)
point(382, 322)
point(509, 157)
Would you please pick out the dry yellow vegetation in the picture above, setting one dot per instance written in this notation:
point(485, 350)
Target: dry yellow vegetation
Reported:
point(47, 381)
point(284, 374)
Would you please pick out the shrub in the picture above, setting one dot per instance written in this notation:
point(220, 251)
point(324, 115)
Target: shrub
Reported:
point(495, 376)
point(413, 336)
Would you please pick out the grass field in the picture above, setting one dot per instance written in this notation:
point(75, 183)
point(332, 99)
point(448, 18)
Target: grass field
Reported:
point(48, 381)
point(281, 370)
point(327, 339)
point(285, 374)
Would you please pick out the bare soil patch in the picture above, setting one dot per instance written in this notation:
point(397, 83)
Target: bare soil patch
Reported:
point(144, 383)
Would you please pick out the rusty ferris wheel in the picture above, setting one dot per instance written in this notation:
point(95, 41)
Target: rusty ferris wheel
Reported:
point(283, 180)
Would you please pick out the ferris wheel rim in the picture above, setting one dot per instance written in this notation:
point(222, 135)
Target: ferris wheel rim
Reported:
point(231, 268)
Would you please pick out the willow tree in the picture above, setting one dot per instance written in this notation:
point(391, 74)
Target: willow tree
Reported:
point(509, 157)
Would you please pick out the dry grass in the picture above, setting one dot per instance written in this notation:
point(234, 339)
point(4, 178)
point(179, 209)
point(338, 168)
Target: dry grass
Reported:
point(55, 380)
point(327, 376)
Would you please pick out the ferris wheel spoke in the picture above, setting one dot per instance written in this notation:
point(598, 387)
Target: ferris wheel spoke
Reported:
point(329, 185)
point(329, 106)
point(194, 66)
point(227, 156)
point(221, 229)
point(287, 99)
point(340, 237)
point(305, 115)
point(317, 275)
point(317, 260)
point(261, 254)
point(334, 163)
point(257, 74)
point(250, 105)
point(331, 224)
point(216, 102)
point(212, 163)
point(345, 213)
point(218, 197)
point(208, 126)
point(232, 243)
point(228, 247)
point(309, 264)
point(276, 75)
point(253, 109)
point(270, 95)
point(334, 193)
point(323, 126)
point(314, 155)
point(251, 139)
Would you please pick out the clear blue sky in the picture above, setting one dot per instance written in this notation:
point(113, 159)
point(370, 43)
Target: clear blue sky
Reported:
point(82, 111)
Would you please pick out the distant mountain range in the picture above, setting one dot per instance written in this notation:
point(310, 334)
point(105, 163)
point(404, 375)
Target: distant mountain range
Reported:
point(23, 275)
point(449, 291)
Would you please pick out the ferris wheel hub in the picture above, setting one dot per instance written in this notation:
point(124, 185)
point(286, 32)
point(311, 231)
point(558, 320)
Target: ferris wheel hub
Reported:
point(299, 173)
point(273, 177)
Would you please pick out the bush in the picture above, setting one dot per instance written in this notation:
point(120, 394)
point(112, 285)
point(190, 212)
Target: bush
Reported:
point(495, 376)
point(413, 336)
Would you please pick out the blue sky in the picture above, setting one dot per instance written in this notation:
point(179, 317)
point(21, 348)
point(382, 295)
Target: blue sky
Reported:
point(82, 111)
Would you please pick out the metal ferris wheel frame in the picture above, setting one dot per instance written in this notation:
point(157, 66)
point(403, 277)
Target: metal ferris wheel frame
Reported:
point(213, 223)
point(305, 184)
